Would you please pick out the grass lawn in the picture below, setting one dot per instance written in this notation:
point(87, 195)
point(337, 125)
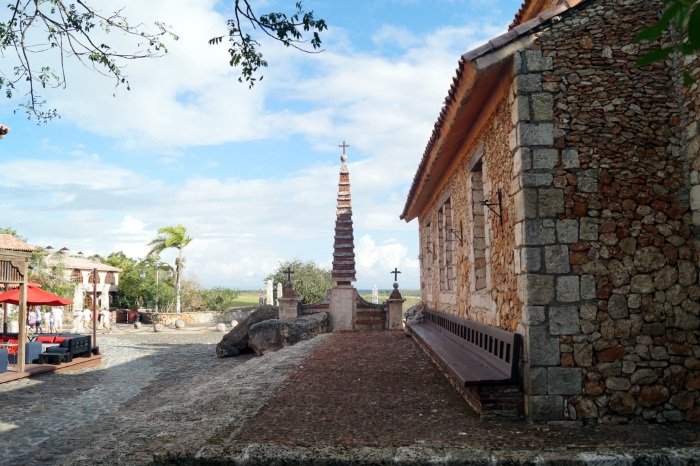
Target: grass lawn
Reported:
point(412, 297)
point(248, 299)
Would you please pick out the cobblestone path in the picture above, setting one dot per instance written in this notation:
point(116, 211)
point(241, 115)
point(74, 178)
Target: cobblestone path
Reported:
point(336, 399)
point(143, 399)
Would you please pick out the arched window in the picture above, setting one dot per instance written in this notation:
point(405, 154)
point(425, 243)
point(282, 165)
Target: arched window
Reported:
point(109, 279)
point(76, 276)
point(94, 276)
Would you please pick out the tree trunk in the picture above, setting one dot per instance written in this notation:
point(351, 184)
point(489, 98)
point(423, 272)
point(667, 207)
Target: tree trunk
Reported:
point(178, 270)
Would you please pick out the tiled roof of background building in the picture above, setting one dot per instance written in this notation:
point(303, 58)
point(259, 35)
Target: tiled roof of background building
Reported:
point(13, 243)
point(84, 264)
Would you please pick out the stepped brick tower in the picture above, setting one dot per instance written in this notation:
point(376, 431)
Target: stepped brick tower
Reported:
point(343, 294)
point(347, 310)
point(343, 272)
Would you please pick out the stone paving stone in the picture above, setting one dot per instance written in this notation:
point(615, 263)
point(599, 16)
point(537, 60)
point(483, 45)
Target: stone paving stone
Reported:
point(336, 399)
point(155, 392)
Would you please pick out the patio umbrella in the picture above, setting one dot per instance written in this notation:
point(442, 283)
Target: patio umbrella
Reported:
point(35, 297)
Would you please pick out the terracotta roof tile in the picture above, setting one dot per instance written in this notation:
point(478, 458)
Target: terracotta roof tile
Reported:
point(84, 264)
point(532, 8)
point(516, 31)
point(13, 243)
point(503, 39)
point(520, 14)
point(557, 10)
point(477, 52)
point(527, 26)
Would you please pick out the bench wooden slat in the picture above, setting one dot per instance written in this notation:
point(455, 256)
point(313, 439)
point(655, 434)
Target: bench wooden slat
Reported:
point(465, 366)
point(498, 347)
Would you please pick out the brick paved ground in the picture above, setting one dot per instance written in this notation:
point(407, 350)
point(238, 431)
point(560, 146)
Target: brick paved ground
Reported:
point(363, 389)
point(379, 389)
point(347, 398)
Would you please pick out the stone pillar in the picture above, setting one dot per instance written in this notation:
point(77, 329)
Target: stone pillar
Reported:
point(268, 296)
point(551, 294)
point(104, 296)
point(288, 308)
point(79, 296)
point(288, 303)
point(342, 308)
point(395, 319)
point(280, 292)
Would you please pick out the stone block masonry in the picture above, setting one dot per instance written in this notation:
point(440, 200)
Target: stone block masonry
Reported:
point(590, 246)
point(607, 234)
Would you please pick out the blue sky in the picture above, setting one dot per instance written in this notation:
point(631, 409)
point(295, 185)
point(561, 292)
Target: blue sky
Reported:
point(252, 173)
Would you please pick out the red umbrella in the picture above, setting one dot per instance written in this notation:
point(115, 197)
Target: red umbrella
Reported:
point(35, 297)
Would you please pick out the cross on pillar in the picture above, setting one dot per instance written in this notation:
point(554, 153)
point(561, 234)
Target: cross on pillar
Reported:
point(396, 273)
point(343, 145)
point(289, 273)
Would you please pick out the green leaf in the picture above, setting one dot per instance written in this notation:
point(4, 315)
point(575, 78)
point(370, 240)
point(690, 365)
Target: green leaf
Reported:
point(673, 9)
point(652, 57)
point(650, 34)
point(688, 80)
point(694, 28)
point(686, 48)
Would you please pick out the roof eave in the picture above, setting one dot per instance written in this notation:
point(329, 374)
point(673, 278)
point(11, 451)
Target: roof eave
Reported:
point(471, 66)
point(469, 82)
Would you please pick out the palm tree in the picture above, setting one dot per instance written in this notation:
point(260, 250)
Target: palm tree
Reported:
point(172, 237)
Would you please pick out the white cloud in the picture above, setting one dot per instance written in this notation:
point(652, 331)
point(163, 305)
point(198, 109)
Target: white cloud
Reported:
point(384, 106)
point(375, 262)
point(132, 226)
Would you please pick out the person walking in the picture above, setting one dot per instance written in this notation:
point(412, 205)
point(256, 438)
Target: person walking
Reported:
point(47, 321)
point(31, 321)
point(77, 321)
point(37, 322)
point(57, 313)
point(105, 316)
point(87, 319)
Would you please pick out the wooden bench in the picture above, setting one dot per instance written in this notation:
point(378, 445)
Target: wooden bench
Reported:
point(473, 355)
point(53, 358)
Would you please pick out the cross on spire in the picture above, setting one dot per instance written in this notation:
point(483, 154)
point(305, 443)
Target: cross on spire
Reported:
point(343, 145)
point(396, 273)
point(289, 273)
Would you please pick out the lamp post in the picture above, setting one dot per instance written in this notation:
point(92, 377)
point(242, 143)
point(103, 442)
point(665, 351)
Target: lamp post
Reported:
point(157, 267)
point(95, 279)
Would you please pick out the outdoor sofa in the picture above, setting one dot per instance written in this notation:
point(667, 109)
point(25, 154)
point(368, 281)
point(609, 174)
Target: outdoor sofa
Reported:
point(3, 359)
point(32, 350)
point(53, 347)
point(67, 346)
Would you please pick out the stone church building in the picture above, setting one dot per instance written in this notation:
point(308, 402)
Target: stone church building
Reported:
point(559, 197)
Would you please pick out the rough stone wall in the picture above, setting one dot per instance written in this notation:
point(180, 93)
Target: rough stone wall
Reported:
point(167, 318)
point(497, 305)
point(608, 255)
point(501, 232)
point(690, 140)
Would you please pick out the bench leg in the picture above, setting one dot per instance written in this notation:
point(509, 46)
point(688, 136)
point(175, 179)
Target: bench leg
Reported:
point(54, 359)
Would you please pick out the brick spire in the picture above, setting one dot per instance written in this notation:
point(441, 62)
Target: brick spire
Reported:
point(343, 247)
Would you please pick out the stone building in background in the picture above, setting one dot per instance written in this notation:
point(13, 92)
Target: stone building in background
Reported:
point(559, 197)
point(80, 271)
